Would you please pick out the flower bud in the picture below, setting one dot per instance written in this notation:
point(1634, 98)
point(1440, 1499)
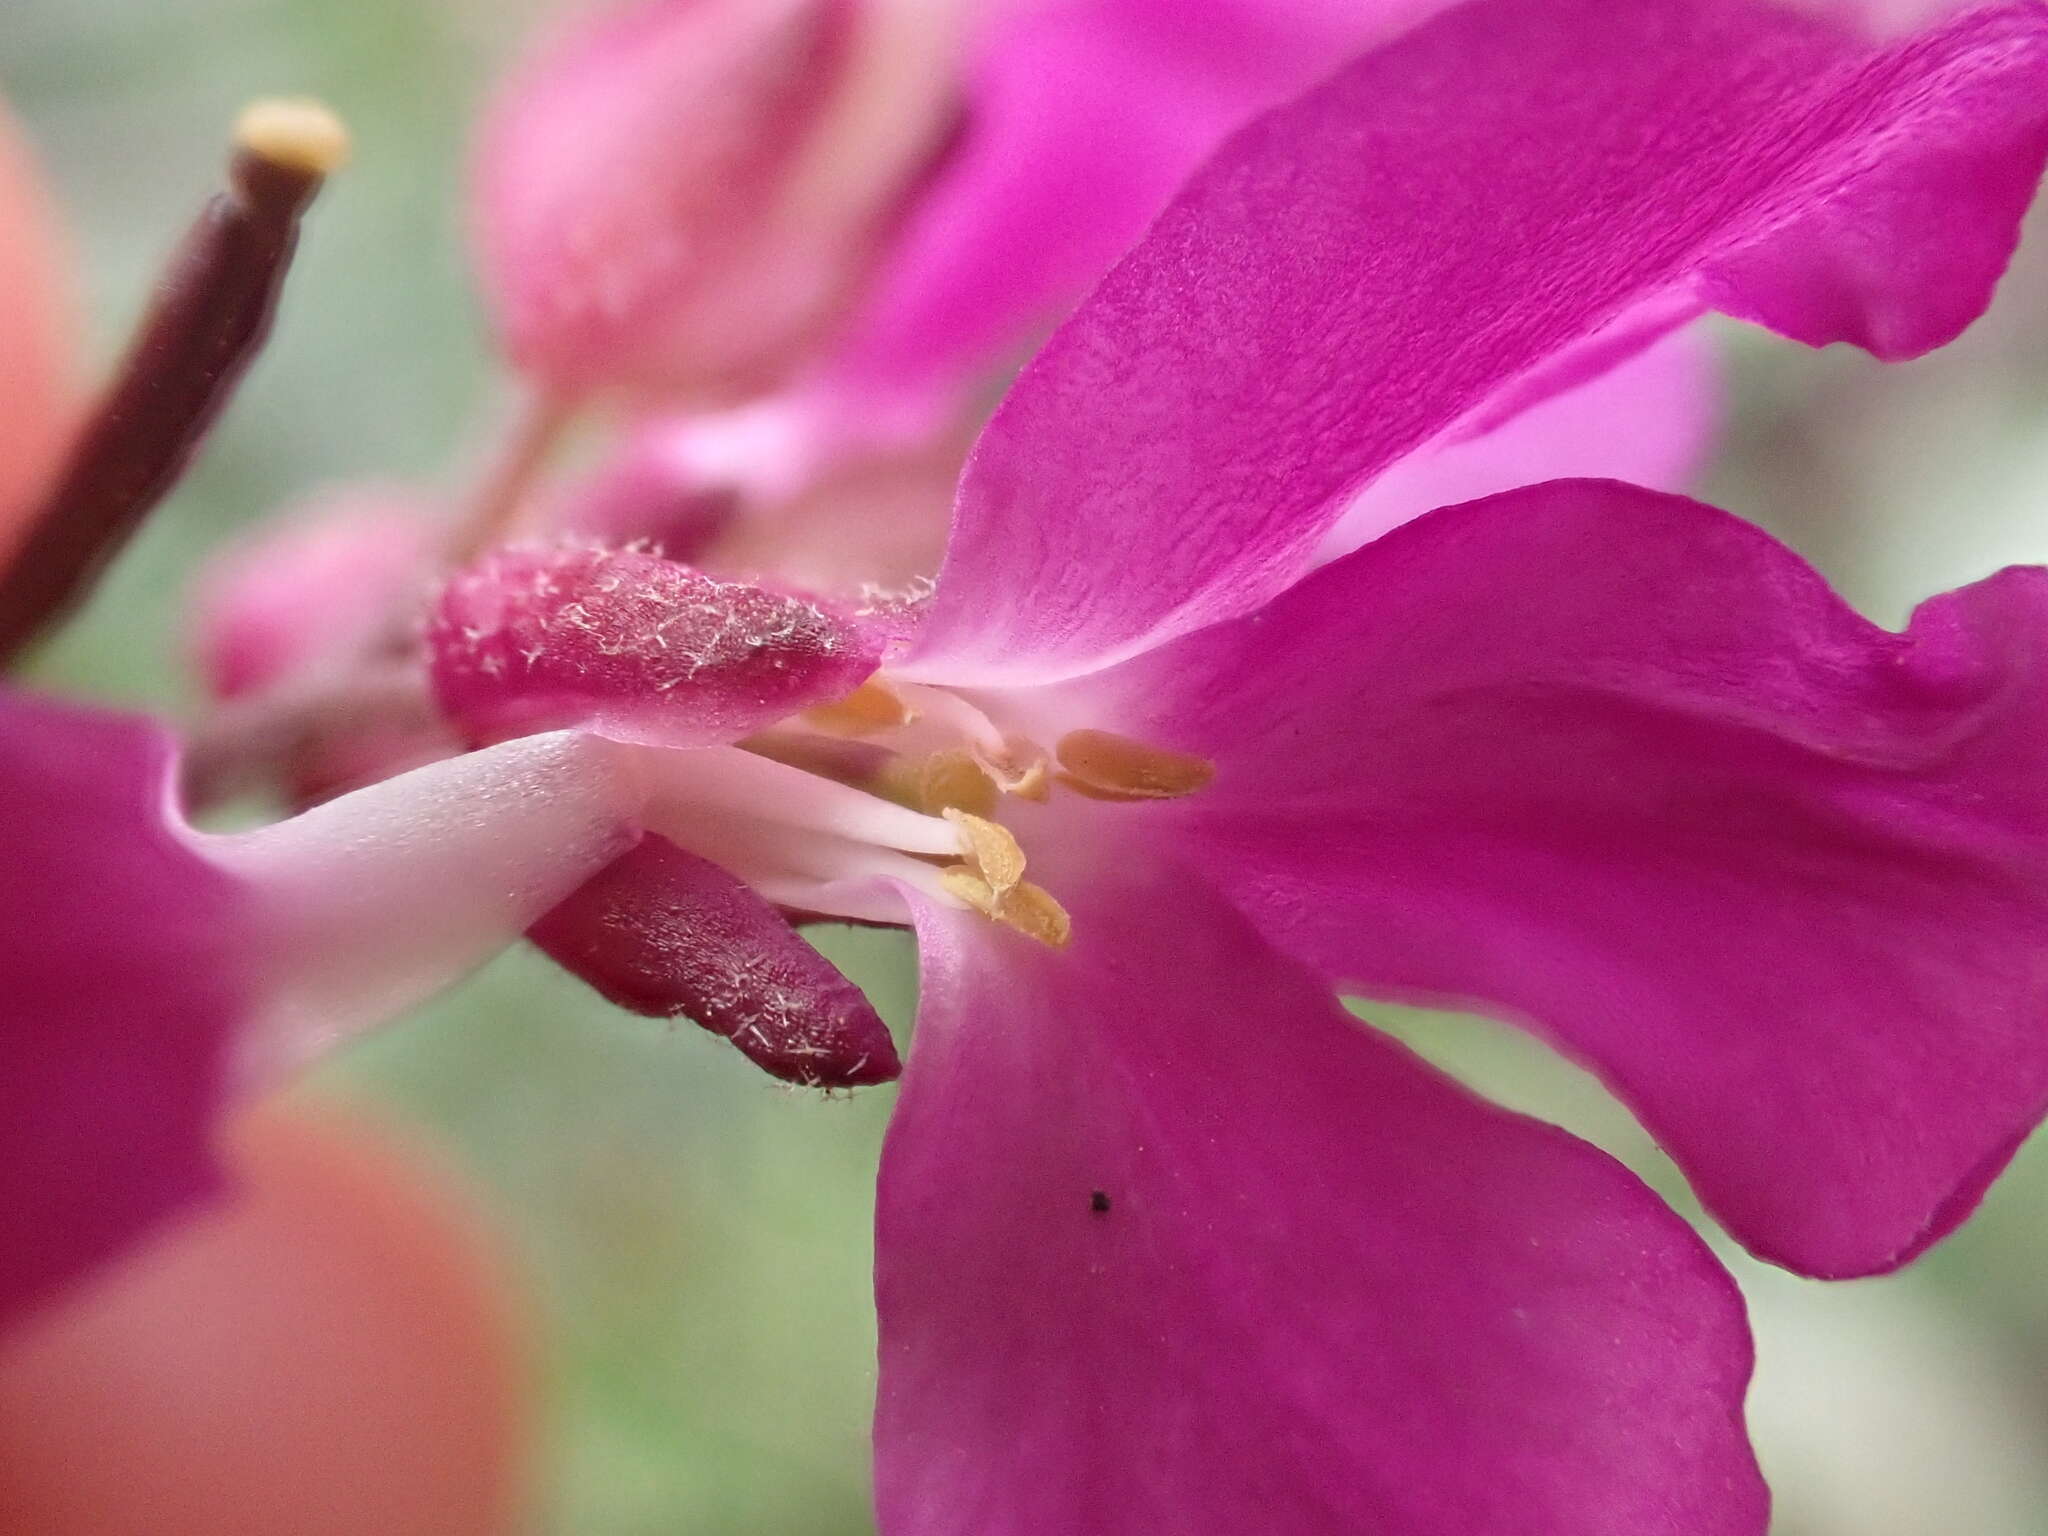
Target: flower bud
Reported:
point(680, 194)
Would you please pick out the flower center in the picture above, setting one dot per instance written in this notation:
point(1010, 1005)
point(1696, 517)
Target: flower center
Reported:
point(908, 782)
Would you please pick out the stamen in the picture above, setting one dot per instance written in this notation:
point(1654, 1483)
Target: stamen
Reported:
point(991, 850)
point(873, 706)
point(211, 314)
point(954, 781)
point(1104, 766)
point(861, 898)
point(736, 784)
point(964, 883)
point(946, 707)
point(1032, 911)
point(1028, 908)
point(1019, 769)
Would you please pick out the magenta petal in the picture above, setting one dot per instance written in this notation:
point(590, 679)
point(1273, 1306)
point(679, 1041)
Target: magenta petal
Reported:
point(1082, 118)
point(1621, 765)
point(1355, 275)
point(632, 646)
point(123, 971)
point(1648, 420)
point(670, 935)
point(1168, 1243)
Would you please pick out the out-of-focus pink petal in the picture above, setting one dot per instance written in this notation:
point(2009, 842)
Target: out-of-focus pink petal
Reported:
point(876, 524)
point(631, 645)
point(333, 1349)
point(781, 488)
point(36, 338)
point(1168, 1243)
point(124, 966)
point(1083, 117)
point(371, 902)
point(623, 171)
point(649, 495)
point(1354, 275)
point(1621, 765)
point(670, 935)
point(309, 588)
point(680, 193)
point(1648, 421)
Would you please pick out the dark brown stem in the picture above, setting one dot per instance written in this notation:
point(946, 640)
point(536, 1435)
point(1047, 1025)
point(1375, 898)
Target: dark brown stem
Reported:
point(210, 316)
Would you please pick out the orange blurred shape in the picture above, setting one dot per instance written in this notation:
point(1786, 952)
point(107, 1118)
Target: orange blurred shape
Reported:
point(36, 342)
point(331, 1351)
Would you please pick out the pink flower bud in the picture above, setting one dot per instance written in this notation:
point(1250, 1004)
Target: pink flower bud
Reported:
point(679, 194)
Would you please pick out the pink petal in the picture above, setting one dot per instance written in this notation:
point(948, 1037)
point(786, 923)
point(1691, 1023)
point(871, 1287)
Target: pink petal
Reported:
point(1168, 1243)
point(124, 968)
point(633, 646)
point(680, 193)
point(1353, 276)
point(1648, 420)
point(778, 487)
point(1620, 765)
point(1083, 117)
point(643, 494)
point(311, 587)
point(370, 903)
point(670, 935)
point(622, 170)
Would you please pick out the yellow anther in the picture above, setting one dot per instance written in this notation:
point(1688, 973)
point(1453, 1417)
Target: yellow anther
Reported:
point(954, 781)
point(1020, 769)
point(1105, 766)
point(1028, 908)
point(873, 706)
point(1034, 783)
point(964, 883)
point(990, 850)
point(295, 132)
point(1031, 910)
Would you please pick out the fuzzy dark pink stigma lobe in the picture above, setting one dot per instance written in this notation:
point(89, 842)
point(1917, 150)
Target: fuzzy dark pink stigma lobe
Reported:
point(667, 934)
point(631, 645)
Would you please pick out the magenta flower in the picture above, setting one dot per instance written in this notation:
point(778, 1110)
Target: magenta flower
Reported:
point(1167, 1241)
point(122, 987)
point(155, 973)
point(1076, 122)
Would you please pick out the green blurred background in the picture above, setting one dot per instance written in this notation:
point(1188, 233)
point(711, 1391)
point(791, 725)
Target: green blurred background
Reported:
point(698, 1238)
